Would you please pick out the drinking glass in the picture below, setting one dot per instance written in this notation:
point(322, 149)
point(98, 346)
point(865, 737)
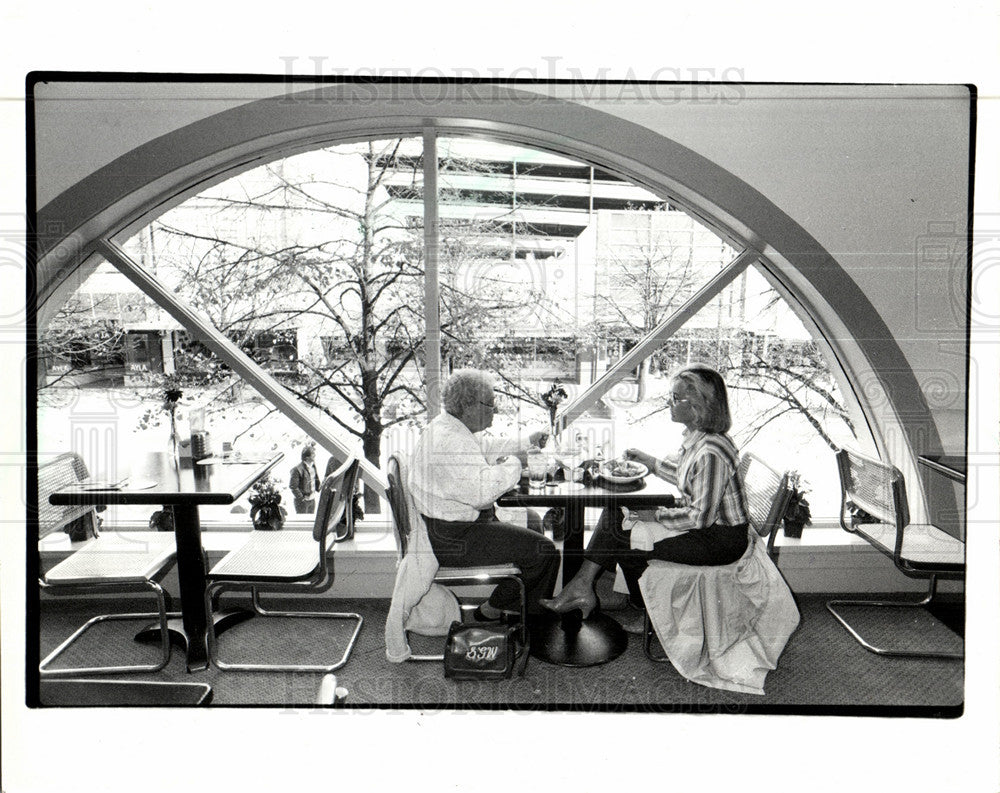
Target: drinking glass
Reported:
point(537, 466)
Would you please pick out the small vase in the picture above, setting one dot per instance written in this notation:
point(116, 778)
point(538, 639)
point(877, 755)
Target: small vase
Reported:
point(267, 517)
point(173, 442)
point(793, 529)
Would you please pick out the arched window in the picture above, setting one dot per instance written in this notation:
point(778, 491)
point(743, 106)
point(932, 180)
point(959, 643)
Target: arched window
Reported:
point(549, 270)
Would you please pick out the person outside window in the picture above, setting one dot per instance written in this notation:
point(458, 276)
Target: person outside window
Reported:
point(304, 482)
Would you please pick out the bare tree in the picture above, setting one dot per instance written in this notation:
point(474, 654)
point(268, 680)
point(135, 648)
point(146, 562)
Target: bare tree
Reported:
point(83, 338)
point(656, 276)
point(343, 261)
point(645, 285)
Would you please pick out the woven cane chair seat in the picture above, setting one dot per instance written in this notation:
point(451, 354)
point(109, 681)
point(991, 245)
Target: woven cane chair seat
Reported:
point(115, 558)
point(271, 554)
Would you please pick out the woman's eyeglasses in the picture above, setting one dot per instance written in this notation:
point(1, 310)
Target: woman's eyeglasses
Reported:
point(673, 399)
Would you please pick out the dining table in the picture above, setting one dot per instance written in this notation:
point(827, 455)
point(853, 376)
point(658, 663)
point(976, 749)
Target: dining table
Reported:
point(182, 485)
point(568, 639)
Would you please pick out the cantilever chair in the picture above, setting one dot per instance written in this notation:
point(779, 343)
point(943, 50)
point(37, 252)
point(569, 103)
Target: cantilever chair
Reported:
point(917, 550)
point(767, 493)
point(448, 576)
point(289, 561)
point(113, 562)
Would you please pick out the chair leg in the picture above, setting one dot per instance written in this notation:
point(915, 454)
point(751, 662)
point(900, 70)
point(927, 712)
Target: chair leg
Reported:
point(213, 590)
point(878, 604)
point(648, 635)
point(160, 613)
point(523, 603)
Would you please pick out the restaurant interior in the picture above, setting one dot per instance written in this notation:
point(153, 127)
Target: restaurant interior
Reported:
point(854, 200)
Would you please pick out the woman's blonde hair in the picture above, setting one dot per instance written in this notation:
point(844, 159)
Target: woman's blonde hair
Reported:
point(708, 396)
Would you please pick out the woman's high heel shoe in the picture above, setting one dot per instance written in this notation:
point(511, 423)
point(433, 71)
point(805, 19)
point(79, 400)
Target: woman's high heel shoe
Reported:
point(586, 603)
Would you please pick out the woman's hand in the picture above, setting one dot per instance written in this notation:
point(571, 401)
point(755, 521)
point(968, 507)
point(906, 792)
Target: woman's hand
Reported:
point(641, 457)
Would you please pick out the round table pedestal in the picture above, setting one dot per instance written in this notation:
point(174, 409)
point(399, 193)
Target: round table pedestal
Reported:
point(569, 640)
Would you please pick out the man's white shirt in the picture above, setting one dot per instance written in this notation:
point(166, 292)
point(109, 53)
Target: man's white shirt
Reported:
point(454, 474)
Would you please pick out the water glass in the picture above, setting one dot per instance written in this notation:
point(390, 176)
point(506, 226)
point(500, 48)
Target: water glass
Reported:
point(537, 466)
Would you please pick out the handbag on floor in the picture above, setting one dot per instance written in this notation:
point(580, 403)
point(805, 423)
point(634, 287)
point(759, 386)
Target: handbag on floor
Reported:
point(484, 651)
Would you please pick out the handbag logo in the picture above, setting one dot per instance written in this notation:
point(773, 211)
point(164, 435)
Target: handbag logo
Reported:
point(481, 655)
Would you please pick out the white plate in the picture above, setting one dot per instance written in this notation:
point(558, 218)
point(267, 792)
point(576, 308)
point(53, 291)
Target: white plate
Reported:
point(623, 480)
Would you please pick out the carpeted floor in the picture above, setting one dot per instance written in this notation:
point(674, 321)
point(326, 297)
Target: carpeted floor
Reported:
point(822, 671)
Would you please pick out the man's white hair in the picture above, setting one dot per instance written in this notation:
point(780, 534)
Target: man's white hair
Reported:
point(464, 388)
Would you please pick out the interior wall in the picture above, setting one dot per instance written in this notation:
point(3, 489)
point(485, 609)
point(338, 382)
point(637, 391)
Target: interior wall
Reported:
point(848, 188)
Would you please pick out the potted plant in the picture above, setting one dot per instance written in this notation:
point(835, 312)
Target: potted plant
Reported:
point(797, 513)
point(266, 511)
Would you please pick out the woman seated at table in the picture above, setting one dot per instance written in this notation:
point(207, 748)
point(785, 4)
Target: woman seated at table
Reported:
point(708, 525)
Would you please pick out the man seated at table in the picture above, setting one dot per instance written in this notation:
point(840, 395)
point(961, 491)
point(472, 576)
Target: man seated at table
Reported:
point(457, 474)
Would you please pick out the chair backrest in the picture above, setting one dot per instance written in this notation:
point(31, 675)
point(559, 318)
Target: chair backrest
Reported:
point(767, 493)
point(876, 487)
point(335, 502)
point(66, 469)
point(397, 503)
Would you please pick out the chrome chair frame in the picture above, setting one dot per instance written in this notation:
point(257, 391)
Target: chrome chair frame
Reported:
point(333, 504)
point(100, 570)
point(764, 521)
point(161, 614)
point(447, 576)
point(892, 510)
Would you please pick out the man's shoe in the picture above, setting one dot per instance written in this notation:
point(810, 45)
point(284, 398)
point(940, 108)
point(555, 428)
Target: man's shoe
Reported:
point(635, 625)
point(479, 616)
point(616, 601)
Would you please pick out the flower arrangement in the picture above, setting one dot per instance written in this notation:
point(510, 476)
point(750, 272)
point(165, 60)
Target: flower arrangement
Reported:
point(171, 398)
point(266, 511)
point(797, 513)
point(552, 398)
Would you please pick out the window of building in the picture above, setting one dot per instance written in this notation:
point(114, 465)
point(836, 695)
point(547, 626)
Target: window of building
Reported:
point(551, 270)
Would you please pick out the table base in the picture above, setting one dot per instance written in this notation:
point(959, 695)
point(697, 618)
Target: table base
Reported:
point(222, 620)
point(571, 641)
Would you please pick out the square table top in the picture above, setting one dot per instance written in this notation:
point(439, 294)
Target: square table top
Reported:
point(154, 478)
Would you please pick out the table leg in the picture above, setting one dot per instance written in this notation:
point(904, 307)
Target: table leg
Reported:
point(190, 632)
point(570, 640)
point(572, 552)
point(191, 574)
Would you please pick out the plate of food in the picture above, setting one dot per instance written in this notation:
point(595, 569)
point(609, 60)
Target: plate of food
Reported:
point(622, 472)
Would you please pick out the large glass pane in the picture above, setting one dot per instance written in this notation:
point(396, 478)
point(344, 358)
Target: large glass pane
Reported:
point(550, 271)
point(785, 403)
point(308, 264)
